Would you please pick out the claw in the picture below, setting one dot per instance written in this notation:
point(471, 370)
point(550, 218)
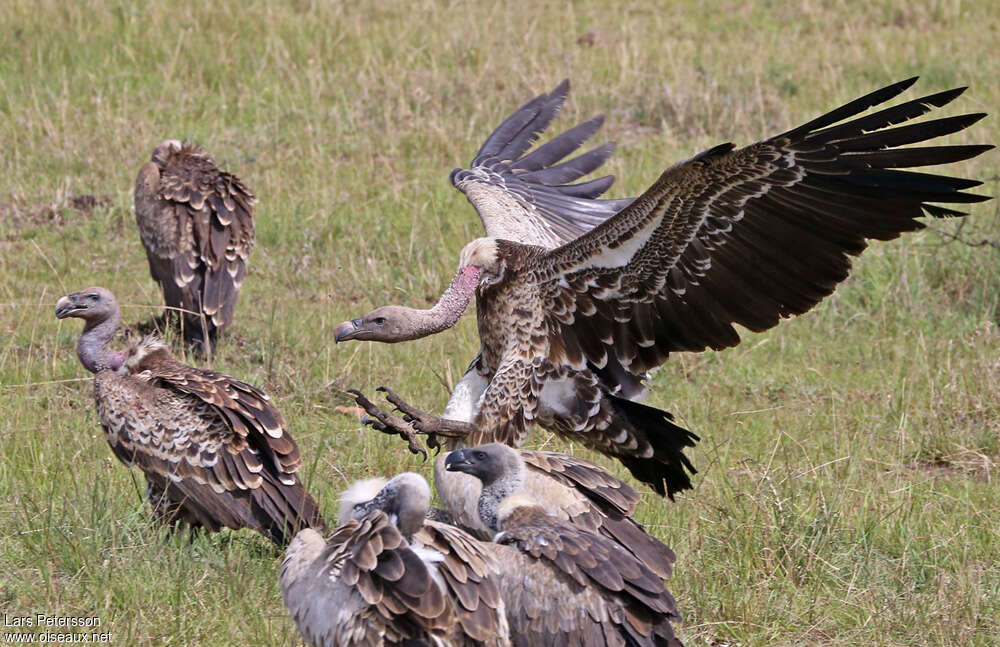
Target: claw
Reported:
point(387, 423)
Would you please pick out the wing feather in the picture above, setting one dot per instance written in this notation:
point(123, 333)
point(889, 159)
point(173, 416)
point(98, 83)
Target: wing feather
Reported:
point(200, 218)
point(526, 197)
point(749, 236)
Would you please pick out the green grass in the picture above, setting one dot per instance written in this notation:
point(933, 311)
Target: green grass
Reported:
point(847, 487)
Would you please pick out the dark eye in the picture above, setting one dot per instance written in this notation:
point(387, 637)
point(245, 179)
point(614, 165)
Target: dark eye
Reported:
point(92, 297)
point(379, 321)
point(480, 456)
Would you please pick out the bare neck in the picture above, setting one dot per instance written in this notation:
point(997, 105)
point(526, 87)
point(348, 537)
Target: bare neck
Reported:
point(449, 307)
point(92, 348)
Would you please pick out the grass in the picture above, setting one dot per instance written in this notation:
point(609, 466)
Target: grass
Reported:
point(847, 488)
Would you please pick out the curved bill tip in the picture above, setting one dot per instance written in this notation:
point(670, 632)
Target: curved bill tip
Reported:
point(347, 330)
point(64, 306)
point(456, 461)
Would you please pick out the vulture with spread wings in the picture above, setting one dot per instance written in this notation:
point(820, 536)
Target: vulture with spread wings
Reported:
point(196, 223)
point(214, 450)
point(742, 236)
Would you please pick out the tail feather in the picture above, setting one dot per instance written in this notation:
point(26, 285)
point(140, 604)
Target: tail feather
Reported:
point(668, 470)
point(282, 510)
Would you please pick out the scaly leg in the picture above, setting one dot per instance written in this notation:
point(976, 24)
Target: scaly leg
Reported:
point(425, 423)
point(388, 423)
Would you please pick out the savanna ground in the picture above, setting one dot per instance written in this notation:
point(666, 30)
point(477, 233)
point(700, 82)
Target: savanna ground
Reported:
point(847, 488)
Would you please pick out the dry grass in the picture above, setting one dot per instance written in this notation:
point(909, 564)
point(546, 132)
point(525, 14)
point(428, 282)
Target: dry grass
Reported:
point(847, 491)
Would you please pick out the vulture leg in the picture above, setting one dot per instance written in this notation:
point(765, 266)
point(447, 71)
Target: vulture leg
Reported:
point(388, 423)
point(425, 423)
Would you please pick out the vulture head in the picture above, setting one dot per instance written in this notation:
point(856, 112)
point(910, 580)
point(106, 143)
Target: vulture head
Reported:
point(101, 315)
point(488, 463)
point(388, 324)
point(169, 147)
point(93, 305)
point(501, 469)
point(405, 498)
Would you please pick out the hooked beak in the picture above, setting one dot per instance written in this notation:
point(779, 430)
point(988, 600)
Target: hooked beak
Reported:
point(348, 330)
point(66, 306)
point(457, 462)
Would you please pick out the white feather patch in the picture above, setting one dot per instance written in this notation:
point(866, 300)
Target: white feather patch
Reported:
point(358, 492)
point(141, 349)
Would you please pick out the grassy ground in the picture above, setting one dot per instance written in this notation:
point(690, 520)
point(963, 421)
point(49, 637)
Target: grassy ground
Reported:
point(847, 491)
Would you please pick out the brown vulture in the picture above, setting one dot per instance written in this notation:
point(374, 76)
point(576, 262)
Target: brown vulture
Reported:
point(742, 236)
point(196, 223)
point(562, 585)
point(214, 449)
point(387, 576)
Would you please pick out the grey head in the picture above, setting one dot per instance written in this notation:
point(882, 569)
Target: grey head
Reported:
point(490, 463)
point(405, 498)
point(94, 305)
point(388, 324)
point(101, 315)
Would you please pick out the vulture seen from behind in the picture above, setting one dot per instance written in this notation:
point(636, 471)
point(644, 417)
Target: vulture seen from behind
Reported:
point(562, 585)
point(742, 236)
point(387, 576)
point(196, 223)
point(214, 450)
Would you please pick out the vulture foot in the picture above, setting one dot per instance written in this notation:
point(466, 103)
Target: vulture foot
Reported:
point(425, 423)
point(388, 423)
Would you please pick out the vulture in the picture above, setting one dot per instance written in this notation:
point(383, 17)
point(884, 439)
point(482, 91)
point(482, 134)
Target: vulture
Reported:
point(196, 223)
point(214, 450)
point(731, 236)
point(388, 576)
point(561, 584)
point(551, 213)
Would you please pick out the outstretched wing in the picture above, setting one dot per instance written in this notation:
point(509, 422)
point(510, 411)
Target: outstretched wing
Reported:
point(527, 198)
point(196, 222)
point(752, 235)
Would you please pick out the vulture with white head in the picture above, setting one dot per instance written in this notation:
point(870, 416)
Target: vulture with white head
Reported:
point(214, 450)
point(387, 576)
point(742, 236)
point(196, 223)
point(562, 584)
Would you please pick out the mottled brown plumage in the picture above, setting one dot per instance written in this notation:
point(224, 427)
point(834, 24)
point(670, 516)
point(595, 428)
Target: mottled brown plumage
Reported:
point(562, 584)
point(214, 450)
point(196, 223)
point(388, 577)
point(732, 236)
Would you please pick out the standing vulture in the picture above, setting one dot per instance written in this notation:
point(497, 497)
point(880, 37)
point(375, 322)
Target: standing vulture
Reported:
point(742, 236)
point(387, 576)
point(561, 584)
point(196, 223)
point(215, 451)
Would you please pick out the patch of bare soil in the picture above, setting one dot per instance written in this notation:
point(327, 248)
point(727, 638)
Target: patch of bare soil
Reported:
point(63, 208)
point(967, 463)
